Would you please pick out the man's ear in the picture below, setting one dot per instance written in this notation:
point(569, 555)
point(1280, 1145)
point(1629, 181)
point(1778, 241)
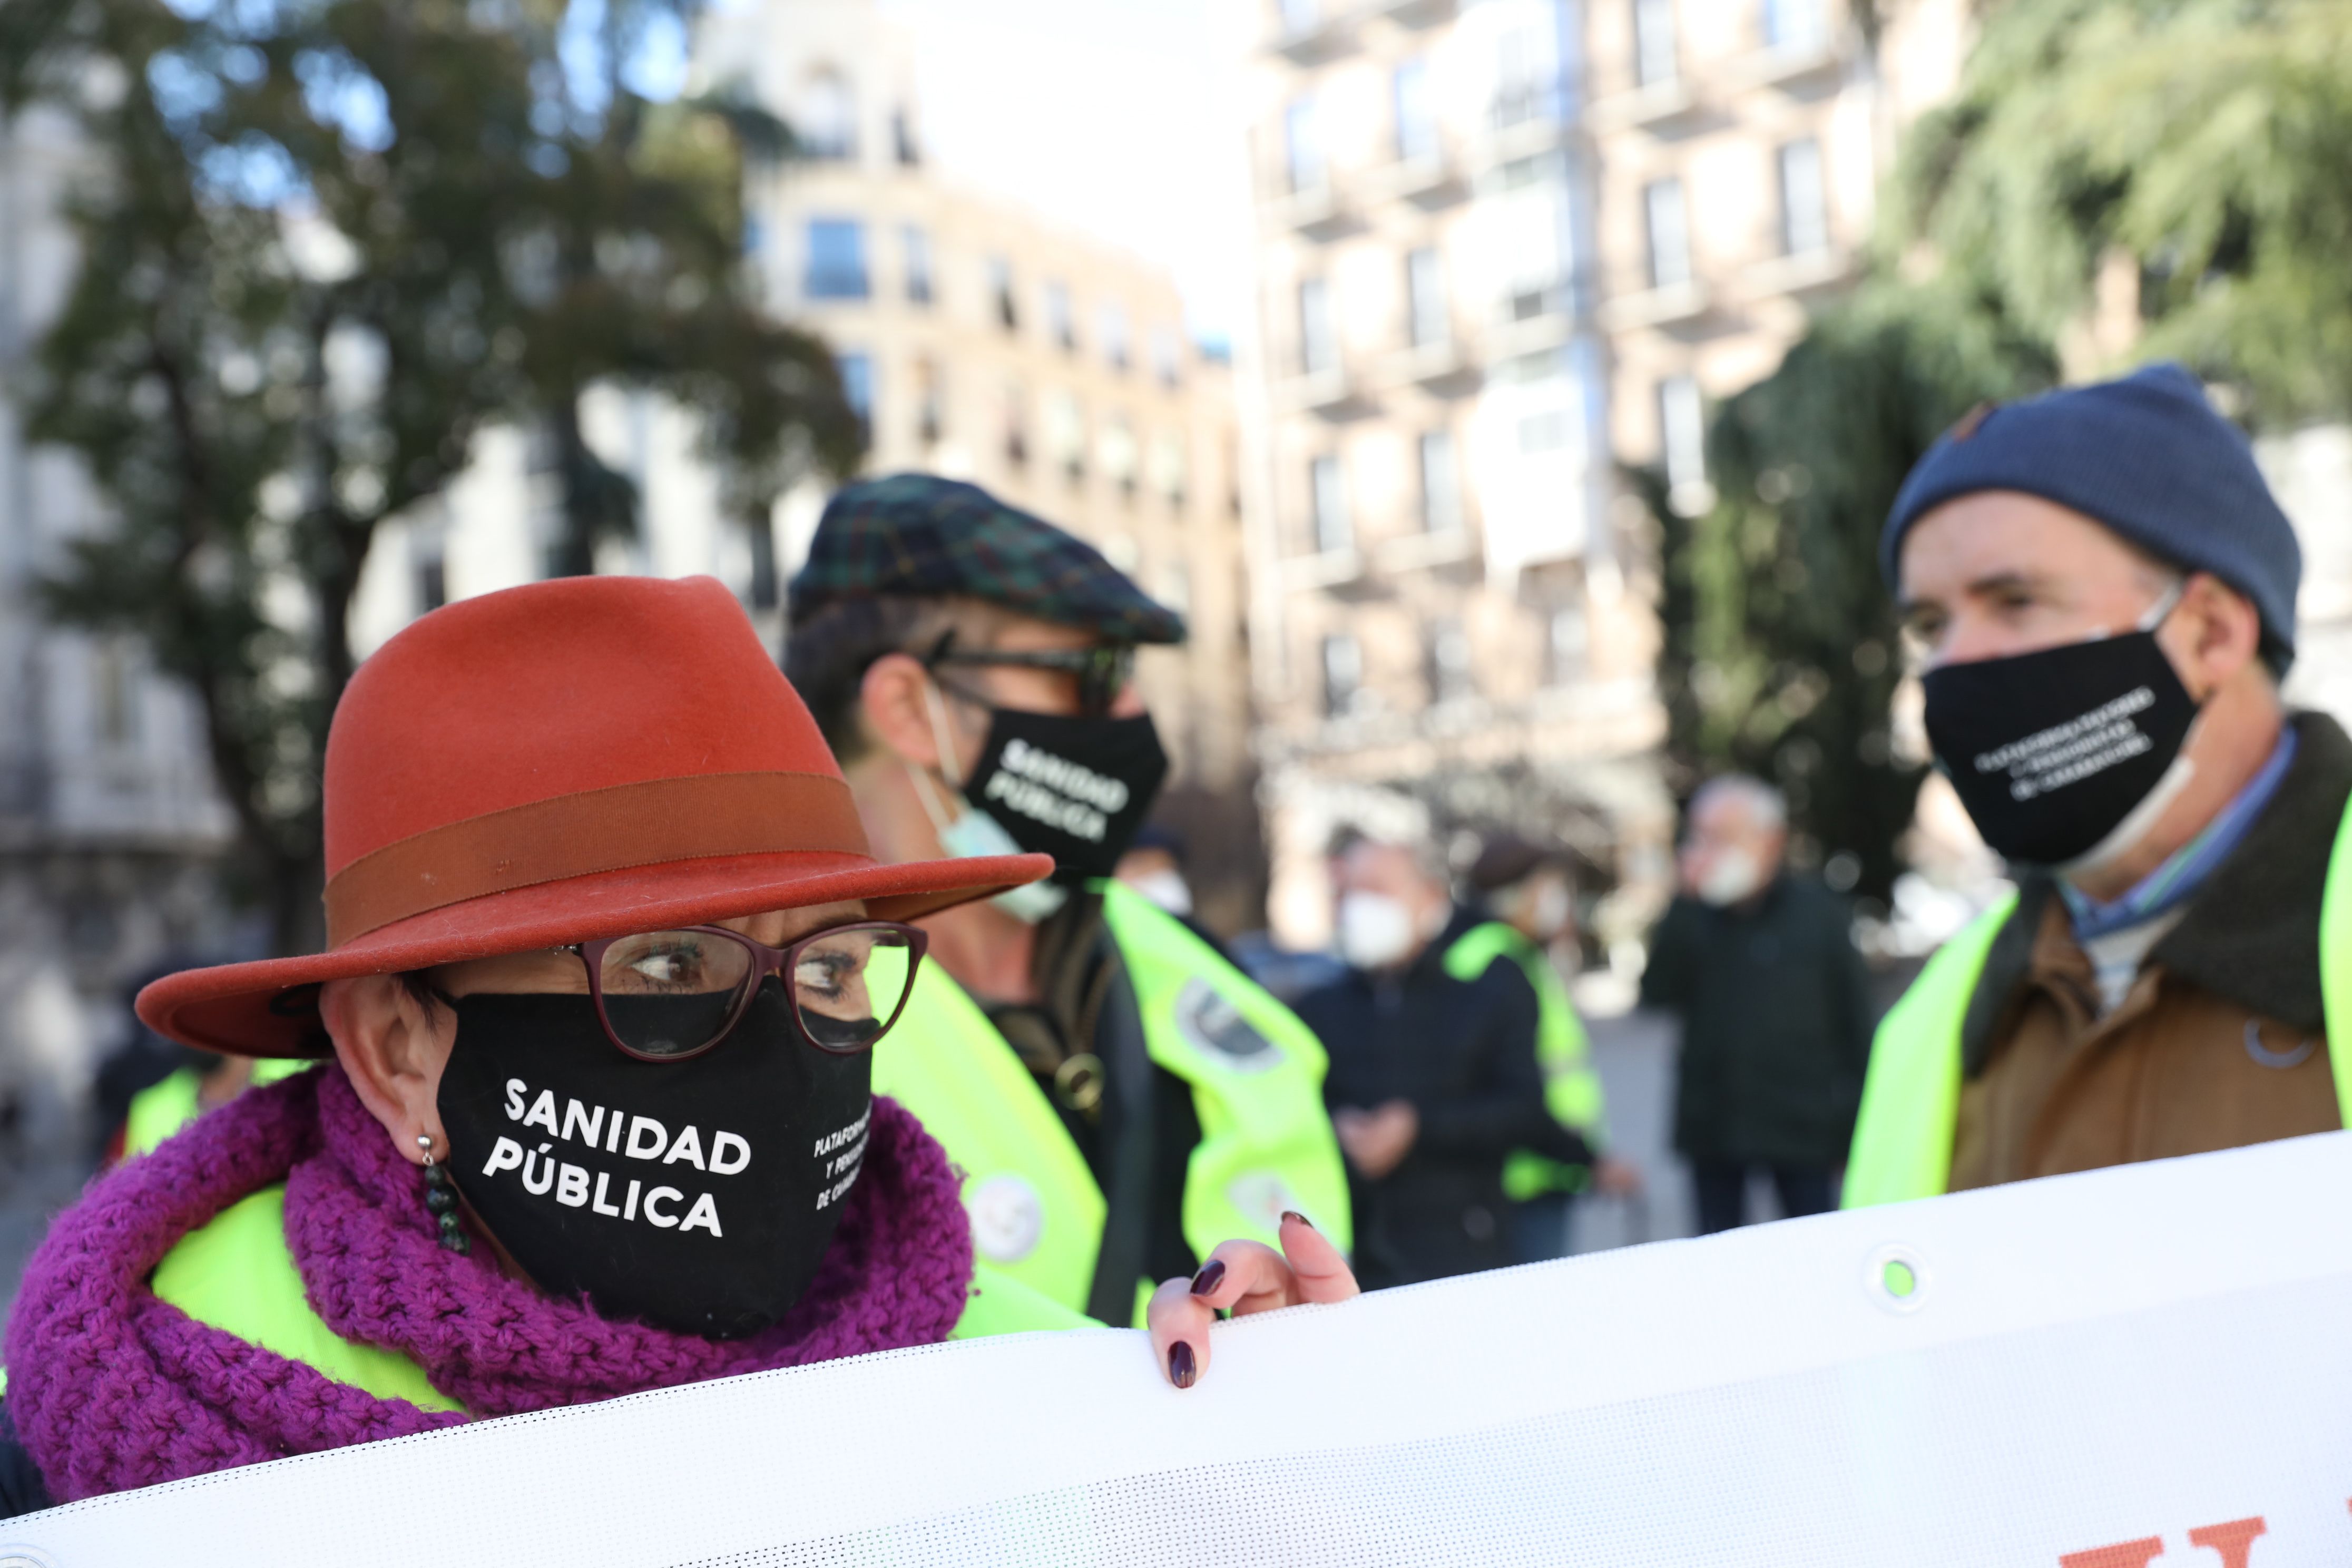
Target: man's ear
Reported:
point(2220, 634)
point(892, 700)
point(392, 1047)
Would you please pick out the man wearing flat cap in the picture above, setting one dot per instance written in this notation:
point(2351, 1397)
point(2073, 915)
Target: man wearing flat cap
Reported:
point(2100, 590)
point(1119, 1097)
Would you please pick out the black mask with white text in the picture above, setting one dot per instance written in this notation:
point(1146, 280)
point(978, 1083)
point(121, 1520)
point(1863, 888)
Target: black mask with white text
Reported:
point(2054, 752)
point(1075, 789)
point(696, 1195)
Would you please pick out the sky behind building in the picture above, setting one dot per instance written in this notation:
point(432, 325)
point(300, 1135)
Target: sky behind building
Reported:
point(1112, 116)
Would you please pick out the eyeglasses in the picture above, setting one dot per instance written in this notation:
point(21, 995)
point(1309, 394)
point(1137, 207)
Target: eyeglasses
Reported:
point(667, 996)
point(1102, 673)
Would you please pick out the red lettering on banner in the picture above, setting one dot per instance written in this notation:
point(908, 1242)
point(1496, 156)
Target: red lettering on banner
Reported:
point(2123, 1554)
point(2234, 1541)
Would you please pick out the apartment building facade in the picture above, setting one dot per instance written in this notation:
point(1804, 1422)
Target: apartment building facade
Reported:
point(1739, 148)
point(1440, 599)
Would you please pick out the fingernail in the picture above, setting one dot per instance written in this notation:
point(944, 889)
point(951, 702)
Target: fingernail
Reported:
point(1211, 1275)
point(1181, 1371)
point(1294, 1213)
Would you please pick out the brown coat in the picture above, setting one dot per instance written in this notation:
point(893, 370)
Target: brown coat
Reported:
point(2220, 1040)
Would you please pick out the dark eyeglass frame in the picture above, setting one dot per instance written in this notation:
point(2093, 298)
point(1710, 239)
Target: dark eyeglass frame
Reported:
point(1102, 672)
point(765, 961)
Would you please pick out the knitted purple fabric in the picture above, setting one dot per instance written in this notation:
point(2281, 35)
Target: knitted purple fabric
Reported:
point(111, 1388)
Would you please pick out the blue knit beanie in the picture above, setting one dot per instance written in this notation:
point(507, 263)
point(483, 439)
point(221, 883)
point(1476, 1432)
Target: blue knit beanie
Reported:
point(2148, 456)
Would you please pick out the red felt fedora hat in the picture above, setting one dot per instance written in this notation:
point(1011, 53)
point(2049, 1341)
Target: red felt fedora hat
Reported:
point(572, 760)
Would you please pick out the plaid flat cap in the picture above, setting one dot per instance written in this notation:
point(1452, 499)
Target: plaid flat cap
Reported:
point(920, 535)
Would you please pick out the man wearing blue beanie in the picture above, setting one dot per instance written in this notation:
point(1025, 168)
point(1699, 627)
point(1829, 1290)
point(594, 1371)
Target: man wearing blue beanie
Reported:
point(2100, 591)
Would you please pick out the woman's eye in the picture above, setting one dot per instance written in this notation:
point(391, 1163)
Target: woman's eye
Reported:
point(673, 966)
point(822, 973)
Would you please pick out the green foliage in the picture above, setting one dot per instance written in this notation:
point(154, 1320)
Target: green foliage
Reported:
point(325, 242)
point(2206, 142)
point(1781, 656)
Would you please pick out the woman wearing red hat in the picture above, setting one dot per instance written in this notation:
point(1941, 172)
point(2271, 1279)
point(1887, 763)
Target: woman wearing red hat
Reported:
point(605, 956)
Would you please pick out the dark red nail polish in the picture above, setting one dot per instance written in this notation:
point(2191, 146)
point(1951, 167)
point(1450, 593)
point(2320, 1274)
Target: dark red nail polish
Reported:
point(1211, 1275)
point(1294, 1213)
point(1180, 1370)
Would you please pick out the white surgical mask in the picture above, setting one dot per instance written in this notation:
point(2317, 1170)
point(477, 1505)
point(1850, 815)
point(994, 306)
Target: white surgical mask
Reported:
point(1375, 931)
point(966, 835)
point(1731, 878)
point(1165, 888)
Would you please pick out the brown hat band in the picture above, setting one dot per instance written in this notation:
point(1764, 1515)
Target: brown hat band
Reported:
point(612, 829)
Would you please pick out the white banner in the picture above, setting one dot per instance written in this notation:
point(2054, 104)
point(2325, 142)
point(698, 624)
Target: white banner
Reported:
point(2149, 1367)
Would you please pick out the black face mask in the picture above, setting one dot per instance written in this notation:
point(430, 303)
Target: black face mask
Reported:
point(696, 1195)
point(1075, 789)
point(2053, 752)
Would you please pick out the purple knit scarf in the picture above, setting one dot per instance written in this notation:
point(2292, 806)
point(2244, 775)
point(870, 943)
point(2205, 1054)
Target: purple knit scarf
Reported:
point(111, 1388)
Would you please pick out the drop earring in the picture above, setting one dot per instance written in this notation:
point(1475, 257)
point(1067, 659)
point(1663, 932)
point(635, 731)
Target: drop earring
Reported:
point(441, 1201)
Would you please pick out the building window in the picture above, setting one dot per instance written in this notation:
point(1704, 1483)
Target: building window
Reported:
point(1016, 427)
point(917, 244)
point(1000, 293)
point(1167, 355)
point(902, 140)
point(1302, 148)
point(1524, 77)
point(1424, 286)
point(836, 259)
point(1066, 435)
point(432, 582)
point(1804, 199)
point(114, 675)
point(857, 388)
point(826, 126)
point(762, 537)
point(1450, 675)
point(1416, 110)
point(1441, 482)
point(1569, 640)
point(1681, 434)
point(1327, 500)
point(1343, 675)
point(1669, 224)
point(1319, 344)
point(1168, 468)
point(1116, 450)
point(1793, 24)
point(1060, 325)
point(930, 403)
point(1654, 42)
point(1114, 334)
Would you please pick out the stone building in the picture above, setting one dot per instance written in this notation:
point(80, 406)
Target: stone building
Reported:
point(1505, 248)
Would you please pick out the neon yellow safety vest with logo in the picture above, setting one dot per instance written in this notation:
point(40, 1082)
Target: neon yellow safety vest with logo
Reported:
point(1911, 1096)
point(1037, 1215)
point(1563, 1052)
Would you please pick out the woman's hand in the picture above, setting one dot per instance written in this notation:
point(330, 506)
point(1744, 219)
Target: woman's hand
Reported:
point(1246, 1276)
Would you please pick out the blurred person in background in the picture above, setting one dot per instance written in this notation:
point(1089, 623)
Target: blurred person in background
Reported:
point(1528, 893)
point(1760, 965)
point(148, 1088)
point(1435, 1079)
point(1155, 865)
point(1120, 1096)
point(2099, 589)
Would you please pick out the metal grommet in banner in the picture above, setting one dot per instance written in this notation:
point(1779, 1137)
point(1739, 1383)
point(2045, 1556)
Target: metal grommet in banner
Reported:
point(1896, 1279)
point(22, 1557)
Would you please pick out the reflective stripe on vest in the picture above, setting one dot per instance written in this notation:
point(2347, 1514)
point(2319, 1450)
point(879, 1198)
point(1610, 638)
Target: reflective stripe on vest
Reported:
point(1571, 1088)
point(1256, 1076)
point(1911, 1096)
